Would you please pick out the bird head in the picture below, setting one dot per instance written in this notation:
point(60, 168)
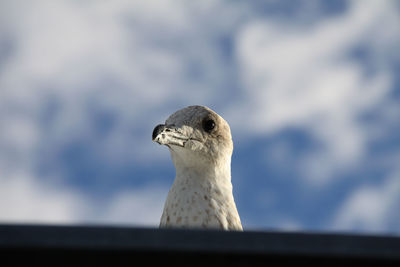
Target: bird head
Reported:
point(197, 138)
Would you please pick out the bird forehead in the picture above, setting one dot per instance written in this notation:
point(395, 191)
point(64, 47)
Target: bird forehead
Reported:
point(191, 115)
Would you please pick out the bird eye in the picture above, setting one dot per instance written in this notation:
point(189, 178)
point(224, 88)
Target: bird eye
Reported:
point(208, 125)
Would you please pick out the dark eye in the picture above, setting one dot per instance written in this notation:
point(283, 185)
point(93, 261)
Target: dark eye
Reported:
point(208, 125)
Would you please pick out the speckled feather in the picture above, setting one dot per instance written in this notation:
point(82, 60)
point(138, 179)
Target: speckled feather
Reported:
point(201, 195)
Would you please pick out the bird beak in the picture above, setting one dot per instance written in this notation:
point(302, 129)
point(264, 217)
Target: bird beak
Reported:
point(169, 135)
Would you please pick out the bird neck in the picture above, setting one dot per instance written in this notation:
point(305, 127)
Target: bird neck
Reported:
point(218, 173)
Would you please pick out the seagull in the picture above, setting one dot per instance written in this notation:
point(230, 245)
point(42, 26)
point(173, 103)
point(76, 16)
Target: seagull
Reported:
point(201, 147)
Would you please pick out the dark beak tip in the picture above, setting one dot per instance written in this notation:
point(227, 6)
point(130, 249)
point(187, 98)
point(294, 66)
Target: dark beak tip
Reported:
point(157, 130)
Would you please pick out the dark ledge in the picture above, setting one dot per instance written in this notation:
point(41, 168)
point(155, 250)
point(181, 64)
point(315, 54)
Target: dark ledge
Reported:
point(120, 246)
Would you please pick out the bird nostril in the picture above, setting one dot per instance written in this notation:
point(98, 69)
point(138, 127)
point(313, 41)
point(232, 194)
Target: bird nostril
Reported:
point(157, 130)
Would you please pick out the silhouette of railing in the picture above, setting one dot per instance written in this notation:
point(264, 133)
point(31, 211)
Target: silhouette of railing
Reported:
point(123, 246)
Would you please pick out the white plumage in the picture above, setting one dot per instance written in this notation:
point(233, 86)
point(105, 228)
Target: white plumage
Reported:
point(201, 147)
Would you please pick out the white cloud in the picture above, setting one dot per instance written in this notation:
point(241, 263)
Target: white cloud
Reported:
point(143, 206)
point(26, 199)
point(296, 76)
point(370, 207)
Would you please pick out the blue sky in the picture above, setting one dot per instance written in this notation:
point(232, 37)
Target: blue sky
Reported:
point(311, 90)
